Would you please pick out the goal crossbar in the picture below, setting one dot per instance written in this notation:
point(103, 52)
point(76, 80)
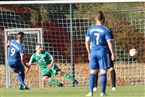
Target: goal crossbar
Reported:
point(65, 1)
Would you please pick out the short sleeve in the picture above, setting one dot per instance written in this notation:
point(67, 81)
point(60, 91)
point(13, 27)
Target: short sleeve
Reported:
point(87, 38)
point(108, 35)
point(21, 51)
point(32, 59)
point(48, 55)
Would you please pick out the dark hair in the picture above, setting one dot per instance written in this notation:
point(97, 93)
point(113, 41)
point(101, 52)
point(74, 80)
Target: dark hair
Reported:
point(20, 35)
point(38, 44)
point(100, 16)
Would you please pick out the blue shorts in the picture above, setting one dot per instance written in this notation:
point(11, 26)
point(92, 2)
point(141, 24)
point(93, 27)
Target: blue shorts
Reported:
point(99, 59)
point(16, 65)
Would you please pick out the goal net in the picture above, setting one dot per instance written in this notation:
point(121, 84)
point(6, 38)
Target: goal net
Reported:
point(64, 27)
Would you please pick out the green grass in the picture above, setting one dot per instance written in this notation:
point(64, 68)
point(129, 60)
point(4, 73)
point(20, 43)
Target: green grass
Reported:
point(121, 91)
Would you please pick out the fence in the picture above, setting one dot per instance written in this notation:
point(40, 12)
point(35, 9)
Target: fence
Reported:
point(64, 27)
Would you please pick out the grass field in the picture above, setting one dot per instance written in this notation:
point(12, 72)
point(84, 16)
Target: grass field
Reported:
point(121, 91)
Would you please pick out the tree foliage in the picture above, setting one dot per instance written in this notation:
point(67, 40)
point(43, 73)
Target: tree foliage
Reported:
point(125, 20)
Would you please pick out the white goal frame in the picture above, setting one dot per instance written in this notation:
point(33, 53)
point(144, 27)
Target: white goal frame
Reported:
point(7, 32)
point(65, 1)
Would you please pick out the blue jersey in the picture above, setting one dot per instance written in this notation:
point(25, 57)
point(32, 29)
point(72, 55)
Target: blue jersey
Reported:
point(15, 50)
point(99, 56)
point(99, 35)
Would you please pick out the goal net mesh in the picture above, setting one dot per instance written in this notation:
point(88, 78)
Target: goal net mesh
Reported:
point(127, 21)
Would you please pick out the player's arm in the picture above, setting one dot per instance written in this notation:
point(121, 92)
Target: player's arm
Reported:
point(24, 63)
point(49, 66)
point(23, 60)
point(22, 57)
point(110, 40)
point(31, 62)
point(87, 43)
point(52, 61)
point(111, 48)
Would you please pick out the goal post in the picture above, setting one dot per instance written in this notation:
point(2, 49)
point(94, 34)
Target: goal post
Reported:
point(32, 36)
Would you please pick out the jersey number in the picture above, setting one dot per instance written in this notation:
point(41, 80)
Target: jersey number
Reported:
point(13, 51)
point(97, 38)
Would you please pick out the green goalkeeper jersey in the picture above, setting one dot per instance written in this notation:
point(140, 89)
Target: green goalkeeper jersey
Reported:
point(42, 60)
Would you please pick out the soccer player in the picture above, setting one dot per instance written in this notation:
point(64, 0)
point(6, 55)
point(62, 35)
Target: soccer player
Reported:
point(112, 72)
point(16, 59)
point(46, 62)
point(101, 39)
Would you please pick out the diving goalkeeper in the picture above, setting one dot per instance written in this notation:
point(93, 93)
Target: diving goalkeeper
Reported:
point(46, 62)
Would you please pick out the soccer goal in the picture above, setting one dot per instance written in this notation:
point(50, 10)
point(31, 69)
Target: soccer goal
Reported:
point(32, 36)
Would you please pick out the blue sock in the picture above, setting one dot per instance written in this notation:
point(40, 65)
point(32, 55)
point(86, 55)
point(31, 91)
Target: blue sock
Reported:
point(91, 82)
point(20, 80)
point(23, 78)
point(103, 83)
point(95, 82)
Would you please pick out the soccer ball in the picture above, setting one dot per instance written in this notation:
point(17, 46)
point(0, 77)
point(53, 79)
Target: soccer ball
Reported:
point(133, 52)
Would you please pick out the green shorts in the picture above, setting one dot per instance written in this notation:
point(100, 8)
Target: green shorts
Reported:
point(49, 72)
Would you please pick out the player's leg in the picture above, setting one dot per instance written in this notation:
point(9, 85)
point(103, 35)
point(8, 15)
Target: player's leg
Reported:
point(15, 69)
point(94, 66)
point(67, 76)
point(96, 82)
point(104, 62)
point(56, 70)
point(91, 82)
point(20, 78)
point(23, 78)
point(103, 81)
point(56, 83)
point(22, 73)
point(47, 74)
point(21, 70)
point(113, 78)
point(51, 81)
point(112, 73)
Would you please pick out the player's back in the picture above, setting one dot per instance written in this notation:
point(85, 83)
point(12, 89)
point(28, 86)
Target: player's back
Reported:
point(15, 49)
point(98, 35)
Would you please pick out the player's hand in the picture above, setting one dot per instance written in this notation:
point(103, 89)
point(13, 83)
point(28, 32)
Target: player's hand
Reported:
point(49, 66)
point(112, 57)
point(28, 66)
point(27, 69)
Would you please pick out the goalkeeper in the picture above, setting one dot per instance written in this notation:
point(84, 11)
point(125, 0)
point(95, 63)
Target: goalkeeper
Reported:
point(48, 68)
